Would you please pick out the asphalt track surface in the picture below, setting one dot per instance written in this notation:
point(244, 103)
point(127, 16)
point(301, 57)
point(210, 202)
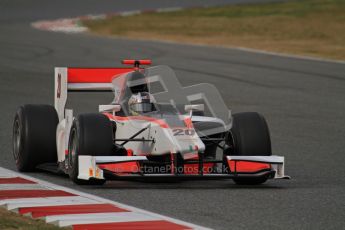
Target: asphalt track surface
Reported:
point(303, 101)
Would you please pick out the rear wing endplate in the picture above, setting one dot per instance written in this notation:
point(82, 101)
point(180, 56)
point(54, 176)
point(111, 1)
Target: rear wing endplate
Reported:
point(82, 79)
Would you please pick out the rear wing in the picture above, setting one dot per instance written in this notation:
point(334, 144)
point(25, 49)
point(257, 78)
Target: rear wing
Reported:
point(69, 79)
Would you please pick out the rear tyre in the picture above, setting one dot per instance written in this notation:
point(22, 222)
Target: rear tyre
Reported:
point(34, 136)
point(250, 136)
point(91, 134)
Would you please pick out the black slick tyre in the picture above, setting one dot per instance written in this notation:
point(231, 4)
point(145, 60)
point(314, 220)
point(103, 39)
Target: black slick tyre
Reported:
point(91, 134)
point(250, 136)
point(34, 136)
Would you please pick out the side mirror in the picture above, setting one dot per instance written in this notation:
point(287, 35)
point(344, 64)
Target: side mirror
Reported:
point(196, 107)
point(109, 108)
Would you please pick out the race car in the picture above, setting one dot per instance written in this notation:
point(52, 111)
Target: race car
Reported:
point(153, 128)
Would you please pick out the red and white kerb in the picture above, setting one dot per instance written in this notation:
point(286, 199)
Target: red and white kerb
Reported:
point(66, 207)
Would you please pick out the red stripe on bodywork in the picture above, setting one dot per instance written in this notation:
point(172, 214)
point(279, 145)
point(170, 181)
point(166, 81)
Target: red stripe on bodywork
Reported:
point(37, 212)
point(137, 225)
point(160, 122)
point(16, 180)
point(121, 167)
point(172, 163)
point(129, 152)
point(188, 122)
point(15, 194)
point(247, 166)
point(94, 75)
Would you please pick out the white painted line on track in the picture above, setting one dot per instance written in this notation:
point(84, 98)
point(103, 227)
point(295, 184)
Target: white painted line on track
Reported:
point(97, 218)
point(23, 187)
point(5, 173)
point(294, 56)
point(48, 201)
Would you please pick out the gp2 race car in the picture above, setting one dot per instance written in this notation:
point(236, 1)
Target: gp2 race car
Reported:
point(153, 128)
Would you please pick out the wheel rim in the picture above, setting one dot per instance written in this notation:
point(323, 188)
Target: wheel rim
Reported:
point(16, 139)
point(72, 149)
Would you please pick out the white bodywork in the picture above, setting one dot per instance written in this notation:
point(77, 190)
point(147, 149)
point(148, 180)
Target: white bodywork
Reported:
point(163, 139)
point(65, 117)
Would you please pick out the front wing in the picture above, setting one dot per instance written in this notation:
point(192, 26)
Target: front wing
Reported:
point(115, 167)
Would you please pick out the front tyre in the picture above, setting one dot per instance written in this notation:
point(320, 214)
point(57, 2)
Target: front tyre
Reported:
point(250, 136)
point(91, 134)
point(34, 136)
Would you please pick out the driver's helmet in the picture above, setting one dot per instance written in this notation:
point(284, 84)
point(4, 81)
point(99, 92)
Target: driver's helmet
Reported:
point(141, 102)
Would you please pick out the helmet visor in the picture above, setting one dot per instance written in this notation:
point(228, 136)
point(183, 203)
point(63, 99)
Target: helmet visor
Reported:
point(142, 107)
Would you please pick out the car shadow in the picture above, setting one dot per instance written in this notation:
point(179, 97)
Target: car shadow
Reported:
point(175, 184)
